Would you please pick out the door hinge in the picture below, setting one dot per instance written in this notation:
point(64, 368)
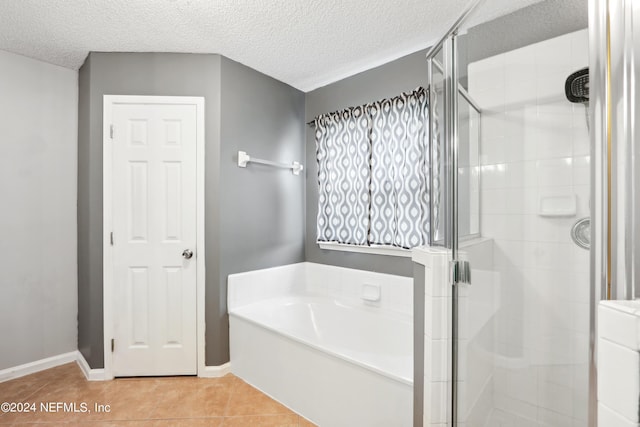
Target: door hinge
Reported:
point(111, 131)
point(113, 345)
point(111, 238)
point(460, 272)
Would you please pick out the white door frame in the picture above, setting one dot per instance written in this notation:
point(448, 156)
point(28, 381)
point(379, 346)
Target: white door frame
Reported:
point(108, 304)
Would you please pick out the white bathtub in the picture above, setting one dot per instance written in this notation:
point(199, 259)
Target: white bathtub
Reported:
point(303, 334)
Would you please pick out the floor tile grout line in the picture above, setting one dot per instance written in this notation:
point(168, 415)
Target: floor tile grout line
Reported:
point(234, 385)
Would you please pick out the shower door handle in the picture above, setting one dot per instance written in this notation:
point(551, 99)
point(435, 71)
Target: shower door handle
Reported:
point(460, 272)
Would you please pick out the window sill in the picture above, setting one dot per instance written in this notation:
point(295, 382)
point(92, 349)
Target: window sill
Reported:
point(373, 250)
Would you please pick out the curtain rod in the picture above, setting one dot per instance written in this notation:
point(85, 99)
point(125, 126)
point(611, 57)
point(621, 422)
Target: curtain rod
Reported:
point(418, 89)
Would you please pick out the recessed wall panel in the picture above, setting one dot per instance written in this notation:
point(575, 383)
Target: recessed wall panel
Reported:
point(139, 305)
point(173, 289)
point(173, 200)
point(139, 201)
point(173, 132)
point(138, 134)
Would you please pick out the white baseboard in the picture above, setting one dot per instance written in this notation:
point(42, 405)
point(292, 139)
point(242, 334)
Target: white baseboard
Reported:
point(37, 366)
point(90, 374)
point(215, 371)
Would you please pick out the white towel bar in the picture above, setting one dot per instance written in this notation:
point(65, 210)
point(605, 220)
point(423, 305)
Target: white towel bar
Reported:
point(244, 158)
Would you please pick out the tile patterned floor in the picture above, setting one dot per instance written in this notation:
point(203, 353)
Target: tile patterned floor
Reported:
point(145, 402)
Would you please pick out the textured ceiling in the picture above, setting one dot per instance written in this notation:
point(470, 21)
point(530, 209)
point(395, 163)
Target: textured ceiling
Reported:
point(306, 44)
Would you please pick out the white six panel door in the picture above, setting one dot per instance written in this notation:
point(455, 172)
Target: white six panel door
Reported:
point(154, 222)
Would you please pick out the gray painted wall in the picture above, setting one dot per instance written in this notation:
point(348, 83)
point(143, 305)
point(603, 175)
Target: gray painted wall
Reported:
point(89, 249)
point(38, 119)
point(134, 74)
point(245, 211)
point(261, 208)
point(386, 81)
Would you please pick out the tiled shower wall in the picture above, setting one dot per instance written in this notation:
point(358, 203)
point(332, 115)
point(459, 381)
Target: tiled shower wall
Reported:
point(534, 161)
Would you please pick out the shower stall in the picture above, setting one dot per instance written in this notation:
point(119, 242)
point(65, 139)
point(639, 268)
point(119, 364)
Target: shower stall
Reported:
point(524, 181)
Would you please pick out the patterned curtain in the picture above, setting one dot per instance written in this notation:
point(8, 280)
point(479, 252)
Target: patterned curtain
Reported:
point(400, 170)
point(373, 173)
point(343, 153)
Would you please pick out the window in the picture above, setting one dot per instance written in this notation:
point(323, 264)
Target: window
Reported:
point(373, 173)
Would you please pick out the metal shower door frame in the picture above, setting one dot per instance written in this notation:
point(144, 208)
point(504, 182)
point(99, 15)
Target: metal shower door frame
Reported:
point(448, 45)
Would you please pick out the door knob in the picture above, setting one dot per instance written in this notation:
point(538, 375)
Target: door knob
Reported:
point(187, 253)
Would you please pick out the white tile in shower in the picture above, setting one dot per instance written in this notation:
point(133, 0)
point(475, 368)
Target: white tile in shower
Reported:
point(553, 348)
point(515, 175)
point(493, 176)
point(553, 56)
point(580, 317)
point(554, 320)
point(437, 368)
point(437, 315)
point(493, 151)
point(505, 227)
point(494, 201)
point(490, 100)
point(493, 123)
point(522, 384)
point(579, 259)
point(581, 170)
point(561, 375)
point(580, 286)
point(580, 347)
point(579, 137)
point(520, 94)
point(531, 201)
point(520, 65)
point(491, 226)
point(551, 255)
point(579, 49)
point(548, 418)
point(549, 98)
point(510, 253)
point(580, 399)
point(555, 172)
point(556, 397)
point(428, 285)
point(511, 406)
point(515, 204)
point(584, 197)
point(554, 135)
point(556, 285)
point(529, 179)
point(438, 405)
point(488, 74)
point(551, 229)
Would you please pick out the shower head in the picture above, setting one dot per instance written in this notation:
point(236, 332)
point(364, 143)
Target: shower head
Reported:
point(577, 86)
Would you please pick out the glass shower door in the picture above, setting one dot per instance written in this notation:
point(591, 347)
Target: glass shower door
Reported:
point(518, 180)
